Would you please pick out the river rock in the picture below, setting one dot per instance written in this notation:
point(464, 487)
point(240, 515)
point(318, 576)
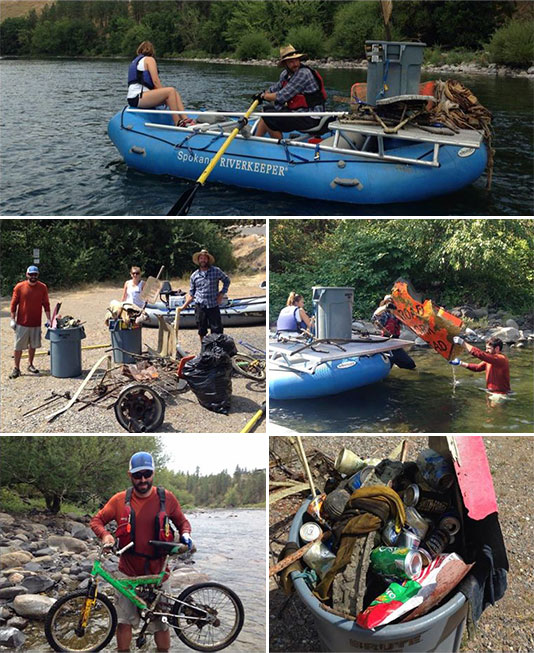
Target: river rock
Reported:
point(507, 334)
point(6, 520)
point(18, 622)
point(46, 551)
point(37, 584)
point(11, 637)
point(512, 323)
point(67, 543)
point(32, 605)
point(38, 529)
point(15, 578)
point(82, 533)
point(9, 593)
point(14, 558)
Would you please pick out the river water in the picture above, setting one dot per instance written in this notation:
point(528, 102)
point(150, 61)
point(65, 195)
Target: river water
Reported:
point(231, 549)
point(424, 400)
point(58, 160)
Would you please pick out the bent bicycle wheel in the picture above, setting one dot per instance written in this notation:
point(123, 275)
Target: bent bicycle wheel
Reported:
point(210, 617)
point(139, 409)
point(63, 620)
point(252, 368)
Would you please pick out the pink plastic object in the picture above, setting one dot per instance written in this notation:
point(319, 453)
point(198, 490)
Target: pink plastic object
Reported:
point(474, 476)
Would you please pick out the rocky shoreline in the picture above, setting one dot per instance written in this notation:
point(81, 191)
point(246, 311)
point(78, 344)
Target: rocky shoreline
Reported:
point(42, 557)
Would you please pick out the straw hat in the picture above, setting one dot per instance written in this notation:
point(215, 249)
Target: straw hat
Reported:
point(211, 258)
point(288, 52)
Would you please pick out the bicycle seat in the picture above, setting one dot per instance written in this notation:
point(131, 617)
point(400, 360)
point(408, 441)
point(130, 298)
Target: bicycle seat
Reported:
point(169, 548)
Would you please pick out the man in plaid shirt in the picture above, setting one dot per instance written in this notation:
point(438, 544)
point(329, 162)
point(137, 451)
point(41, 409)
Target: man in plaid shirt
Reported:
point(300, 88)
point(204, 291)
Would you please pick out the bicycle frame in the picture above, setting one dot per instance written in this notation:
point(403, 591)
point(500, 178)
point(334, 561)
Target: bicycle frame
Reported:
point(254, 350)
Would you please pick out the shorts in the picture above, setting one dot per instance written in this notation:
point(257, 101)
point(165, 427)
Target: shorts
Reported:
point(208, 318)
point(128, 613)
point(27, 337)
point(289, 124)
point(134, 101)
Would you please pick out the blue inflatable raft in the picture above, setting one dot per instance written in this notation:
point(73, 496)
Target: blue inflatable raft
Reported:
point(352, 163)
point(305, 371)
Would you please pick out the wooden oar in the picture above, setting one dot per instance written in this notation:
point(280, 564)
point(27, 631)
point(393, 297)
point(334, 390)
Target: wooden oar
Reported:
point(182, 206)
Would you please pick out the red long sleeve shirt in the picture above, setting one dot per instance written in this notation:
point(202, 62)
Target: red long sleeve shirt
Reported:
point(146, 509)
point(28, 302)
point(497, 370)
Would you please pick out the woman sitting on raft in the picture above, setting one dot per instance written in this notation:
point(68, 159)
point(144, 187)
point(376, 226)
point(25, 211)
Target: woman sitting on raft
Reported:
point(145, 90)
point(293, 317)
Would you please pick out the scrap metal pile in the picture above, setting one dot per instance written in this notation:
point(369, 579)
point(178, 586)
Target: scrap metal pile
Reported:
point(384, 541)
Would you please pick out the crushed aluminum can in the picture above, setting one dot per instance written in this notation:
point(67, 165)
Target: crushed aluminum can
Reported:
point(356, 481)
point(389, 534)
point(435, 469)
point(418, 524)
point(314, 509)
point(450, 522)
point(399, 562)
point(408, 538)
point(310, 531)
point(319, 557)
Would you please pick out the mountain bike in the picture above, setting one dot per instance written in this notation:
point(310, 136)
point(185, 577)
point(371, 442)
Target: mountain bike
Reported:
point(206, 616)
point(252, 367)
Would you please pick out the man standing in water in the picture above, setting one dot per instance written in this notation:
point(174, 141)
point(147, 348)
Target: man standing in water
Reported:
point(204, 291)
point(142, 513)
point(29, 298)
point(494, 363)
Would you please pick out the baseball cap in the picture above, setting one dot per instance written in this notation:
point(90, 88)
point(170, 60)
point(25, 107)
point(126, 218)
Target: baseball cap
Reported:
point(141, 460)
point(33, 269)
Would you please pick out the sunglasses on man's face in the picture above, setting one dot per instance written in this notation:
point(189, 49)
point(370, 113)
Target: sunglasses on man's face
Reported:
point(145, 473)
point(135, 274)
point(33, 276)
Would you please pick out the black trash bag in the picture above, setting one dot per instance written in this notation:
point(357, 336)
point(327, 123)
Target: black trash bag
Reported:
point(210, 377)
point(226, 343)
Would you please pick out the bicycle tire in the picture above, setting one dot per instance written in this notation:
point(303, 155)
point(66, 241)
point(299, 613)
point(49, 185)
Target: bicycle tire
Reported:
point(219, 601)
point(61, 635)
point(242, 365)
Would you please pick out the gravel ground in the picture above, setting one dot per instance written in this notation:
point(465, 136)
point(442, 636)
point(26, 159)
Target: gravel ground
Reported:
point(506, 626)
point(184, 414)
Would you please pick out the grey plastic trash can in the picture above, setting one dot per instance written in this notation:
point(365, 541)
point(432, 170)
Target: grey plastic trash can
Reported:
point(440, 630)
point(394, 68)
point(333, 311)
point(66, 351)
point(129, 339)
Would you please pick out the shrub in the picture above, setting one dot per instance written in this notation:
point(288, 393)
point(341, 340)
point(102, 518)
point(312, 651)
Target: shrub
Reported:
point(253, 46)
point(308, 39)
point(355, 23)
point(513, 44)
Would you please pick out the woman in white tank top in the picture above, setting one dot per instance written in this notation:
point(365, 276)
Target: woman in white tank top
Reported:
point(131, 292)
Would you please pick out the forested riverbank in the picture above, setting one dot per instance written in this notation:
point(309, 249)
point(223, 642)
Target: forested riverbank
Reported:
point(245, 29)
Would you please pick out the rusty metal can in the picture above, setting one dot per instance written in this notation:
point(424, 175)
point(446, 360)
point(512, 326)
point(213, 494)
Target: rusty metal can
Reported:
point(432, 502)
point(310, 531)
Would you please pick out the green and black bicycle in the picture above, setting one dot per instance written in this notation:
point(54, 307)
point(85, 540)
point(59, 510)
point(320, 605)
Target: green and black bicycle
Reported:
point(205, 616)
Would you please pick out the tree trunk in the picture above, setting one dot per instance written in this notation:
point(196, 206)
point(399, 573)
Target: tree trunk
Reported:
point(53, 503)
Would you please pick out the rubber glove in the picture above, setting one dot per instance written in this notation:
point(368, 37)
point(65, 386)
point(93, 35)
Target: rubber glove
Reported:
point(13, 325)
point(185, 538)
point(258, 97)
point(455, 361)
point(457, 340)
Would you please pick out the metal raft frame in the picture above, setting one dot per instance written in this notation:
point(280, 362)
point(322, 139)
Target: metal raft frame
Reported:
point(464, 138)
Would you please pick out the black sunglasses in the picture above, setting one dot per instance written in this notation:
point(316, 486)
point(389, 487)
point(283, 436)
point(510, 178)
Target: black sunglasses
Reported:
point(144, 473)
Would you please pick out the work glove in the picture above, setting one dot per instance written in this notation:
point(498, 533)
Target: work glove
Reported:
point(258, 97)
point(455, 361)
point(13, 325)
point(185, 538)
point(457, 340)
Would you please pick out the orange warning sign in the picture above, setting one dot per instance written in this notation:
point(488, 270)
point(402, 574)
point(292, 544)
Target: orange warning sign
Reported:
point(431, 323)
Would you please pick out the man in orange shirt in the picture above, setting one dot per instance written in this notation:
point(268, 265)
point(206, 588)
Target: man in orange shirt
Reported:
point(494, 363)
point(28, 300)
point(142, 513)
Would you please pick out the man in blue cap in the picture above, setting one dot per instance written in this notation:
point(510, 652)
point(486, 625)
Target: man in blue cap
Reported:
point(142, 513)
point(29, 298)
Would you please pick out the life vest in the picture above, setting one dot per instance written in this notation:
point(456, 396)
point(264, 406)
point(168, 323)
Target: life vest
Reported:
point(392, 324)
point(163, 526)
point(307, 100)
point(287, 320)
point(142, 77)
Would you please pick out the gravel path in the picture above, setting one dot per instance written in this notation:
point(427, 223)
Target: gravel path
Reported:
point(184, 414)
point(506, 626)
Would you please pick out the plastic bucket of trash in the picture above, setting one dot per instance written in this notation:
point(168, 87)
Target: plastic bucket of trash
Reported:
point(439, 630)
point(126, 339)
point(66, 351)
